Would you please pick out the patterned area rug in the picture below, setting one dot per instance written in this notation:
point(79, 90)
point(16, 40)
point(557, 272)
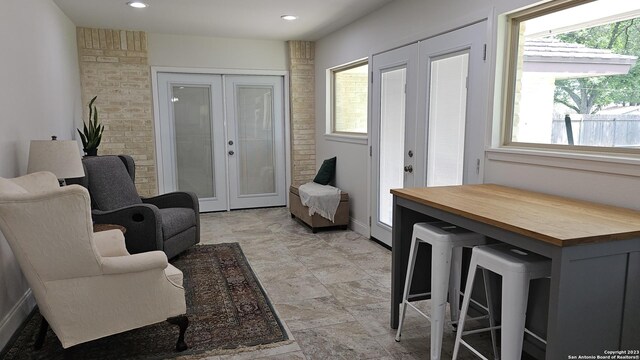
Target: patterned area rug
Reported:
point(226, 305)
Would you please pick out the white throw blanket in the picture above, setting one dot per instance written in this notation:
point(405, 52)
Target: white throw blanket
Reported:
point(321, 199)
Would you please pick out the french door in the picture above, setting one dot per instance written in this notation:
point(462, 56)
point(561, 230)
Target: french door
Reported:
point(453, 105)
point(255, 141)
point(428, 118)
point(222, 137)
point(393, 140)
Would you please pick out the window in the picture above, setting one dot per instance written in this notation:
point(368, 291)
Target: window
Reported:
point(349, 97)
point(573, 79)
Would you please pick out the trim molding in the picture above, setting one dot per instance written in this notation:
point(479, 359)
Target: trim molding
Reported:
point(353, 139)
point(359, 227)
point(617, 165)
point(16, 317)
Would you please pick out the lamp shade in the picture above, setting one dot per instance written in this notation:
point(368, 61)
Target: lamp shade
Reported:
point(61, 157)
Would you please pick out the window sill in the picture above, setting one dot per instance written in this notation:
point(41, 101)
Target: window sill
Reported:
point(617, 164)
point(353, 139)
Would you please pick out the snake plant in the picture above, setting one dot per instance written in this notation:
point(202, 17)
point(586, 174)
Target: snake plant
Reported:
point(91, 134)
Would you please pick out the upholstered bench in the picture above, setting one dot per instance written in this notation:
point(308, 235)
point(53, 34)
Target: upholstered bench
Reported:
point(316, 221)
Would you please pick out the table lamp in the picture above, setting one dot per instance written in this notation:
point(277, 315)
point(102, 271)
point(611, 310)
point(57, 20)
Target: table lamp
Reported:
point(60, 157)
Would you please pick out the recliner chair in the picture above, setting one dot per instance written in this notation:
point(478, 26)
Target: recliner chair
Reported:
point(168, 222)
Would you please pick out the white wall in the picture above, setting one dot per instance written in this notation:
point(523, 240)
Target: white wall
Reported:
point(219, 53)
point(405, 21)
point(39, 97)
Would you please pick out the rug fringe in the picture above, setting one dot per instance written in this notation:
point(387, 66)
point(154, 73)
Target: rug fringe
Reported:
point(235, 351)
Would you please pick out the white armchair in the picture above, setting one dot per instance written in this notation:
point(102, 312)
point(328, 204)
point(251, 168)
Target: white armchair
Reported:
point(86, 284)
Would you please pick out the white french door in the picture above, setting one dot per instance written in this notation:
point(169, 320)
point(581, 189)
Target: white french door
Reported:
point(393, 140)
point(428, 118)
point(255, 141)
point(222, 137)
point(453, 105)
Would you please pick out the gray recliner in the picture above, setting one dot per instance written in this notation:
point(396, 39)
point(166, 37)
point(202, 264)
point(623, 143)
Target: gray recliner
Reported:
point(168, 222)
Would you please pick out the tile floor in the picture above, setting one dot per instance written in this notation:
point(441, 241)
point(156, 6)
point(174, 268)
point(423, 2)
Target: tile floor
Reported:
point(331, 289)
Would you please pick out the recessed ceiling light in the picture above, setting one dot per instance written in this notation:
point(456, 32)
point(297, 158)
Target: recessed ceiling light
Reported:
point(289, 17)
point(137, 4)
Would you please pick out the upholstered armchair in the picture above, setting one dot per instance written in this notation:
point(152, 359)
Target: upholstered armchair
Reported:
point(86, 284)
point(168, 222)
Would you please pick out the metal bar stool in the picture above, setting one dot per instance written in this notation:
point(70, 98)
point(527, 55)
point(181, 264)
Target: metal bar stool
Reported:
point(517, 267)
point(447, 242)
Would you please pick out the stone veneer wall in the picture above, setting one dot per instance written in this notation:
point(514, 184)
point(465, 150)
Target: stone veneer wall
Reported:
point(113, 65)
point(303, 113)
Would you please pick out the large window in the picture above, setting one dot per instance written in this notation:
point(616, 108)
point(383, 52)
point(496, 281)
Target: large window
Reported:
point(573, 78)
point(349, 96)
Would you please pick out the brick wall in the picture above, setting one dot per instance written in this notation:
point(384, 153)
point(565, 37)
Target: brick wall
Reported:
point(303, 119)
point(113, 65)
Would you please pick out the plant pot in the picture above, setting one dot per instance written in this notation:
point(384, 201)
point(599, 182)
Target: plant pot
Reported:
point(91, 152)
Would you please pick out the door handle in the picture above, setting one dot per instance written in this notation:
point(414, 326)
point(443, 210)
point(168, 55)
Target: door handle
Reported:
point(408, 168)
point(231, 152)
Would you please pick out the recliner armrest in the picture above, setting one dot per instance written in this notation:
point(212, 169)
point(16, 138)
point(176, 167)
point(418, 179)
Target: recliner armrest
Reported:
point(182, 199)
point(134, 263)
point(143, 224)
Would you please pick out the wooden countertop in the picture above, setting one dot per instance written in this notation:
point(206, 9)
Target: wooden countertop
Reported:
point(553, 219)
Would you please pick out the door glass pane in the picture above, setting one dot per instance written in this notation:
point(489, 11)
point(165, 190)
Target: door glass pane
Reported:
point(192, 124)
point(447, 114)
point(392, 108)
point(256, 159)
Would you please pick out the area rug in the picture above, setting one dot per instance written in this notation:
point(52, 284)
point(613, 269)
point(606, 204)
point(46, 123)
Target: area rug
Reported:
point(226, 306)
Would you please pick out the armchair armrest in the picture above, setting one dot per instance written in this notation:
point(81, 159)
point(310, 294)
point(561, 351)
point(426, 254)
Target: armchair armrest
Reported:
point(110, 243)
point(183, 199)
point(134, 263)
point(143, 223)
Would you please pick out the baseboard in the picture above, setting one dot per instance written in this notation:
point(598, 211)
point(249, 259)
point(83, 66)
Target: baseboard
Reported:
point(16, 317)
point(359, 227)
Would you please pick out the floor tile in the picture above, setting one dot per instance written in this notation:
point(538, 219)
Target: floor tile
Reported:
point(341, 341)
point(312, 313)
point(330, 289)
point(359, 292)
point(295, 289)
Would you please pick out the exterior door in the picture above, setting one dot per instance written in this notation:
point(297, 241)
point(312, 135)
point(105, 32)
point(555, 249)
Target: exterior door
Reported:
point(453, 105)
point(393, 151)
point(222, 137)
point(428, 118)
point(192, 138)
point(255, 141)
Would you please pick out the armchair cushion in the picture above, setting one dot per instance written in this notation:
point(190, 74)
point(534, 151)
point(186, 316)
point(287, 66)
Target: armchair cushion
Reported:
point(176, 220)
point(110, 243)
point(110, 183)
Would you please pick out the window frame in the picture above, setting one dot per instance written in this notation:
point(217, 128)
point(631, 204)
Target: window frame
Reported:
point(511, 48)
point(331, 119)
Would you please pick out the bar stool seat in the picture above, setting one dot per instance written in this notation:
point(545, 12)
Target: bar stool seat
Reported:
point(447, 241)
point(517, 267)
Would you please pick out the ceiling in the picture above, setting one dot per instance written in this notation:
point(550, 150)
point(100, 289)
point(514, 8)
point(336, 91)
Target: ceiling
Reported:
point(251, 19)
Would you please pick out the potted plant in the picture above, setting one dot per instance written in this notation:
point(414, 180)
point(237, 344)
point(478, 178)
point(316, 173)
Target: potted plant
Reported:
point(92, 134)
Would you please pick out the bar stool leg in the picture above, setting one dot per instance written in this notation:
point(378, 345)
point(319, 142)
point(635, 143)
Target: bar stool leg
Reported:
point(413, 252)
point(515, 290)
point(465, 305)
point(492, 319)
point(440, 272)
point(455, 283)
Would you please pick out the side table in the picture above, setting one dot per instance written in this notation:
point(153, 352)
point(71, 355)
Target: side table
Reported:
point(105, 227)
